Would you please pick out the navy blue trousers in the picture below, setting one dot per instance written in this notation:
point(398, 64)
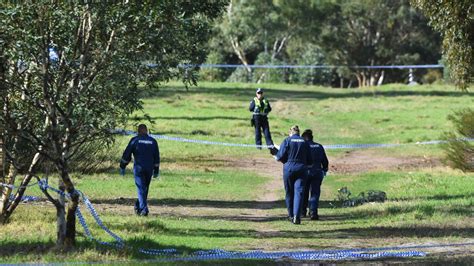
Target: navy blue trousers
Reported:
point(313, 184)
point(142, 181)
point(294, 185)
point(261, 124)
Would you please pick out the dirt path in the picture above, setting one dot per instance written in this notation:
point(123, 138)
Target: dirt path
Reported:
point(359, 161)
point(270, 194)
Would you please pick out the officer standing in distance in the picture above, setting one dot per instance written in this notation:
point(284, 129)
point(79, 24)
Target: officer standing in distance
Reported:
point(295, 154)
point(260, 107)
point(316, 173)
point(146, 157)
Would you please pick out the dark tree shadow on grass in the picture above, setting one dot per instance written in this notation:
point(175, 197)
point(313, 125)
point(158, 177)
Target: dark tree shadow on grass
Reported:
point(374, 232)
point(237, 204)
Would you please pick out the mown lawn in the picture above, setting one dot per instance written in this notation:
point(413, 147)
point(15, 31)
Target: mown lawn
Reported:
point(205, 200)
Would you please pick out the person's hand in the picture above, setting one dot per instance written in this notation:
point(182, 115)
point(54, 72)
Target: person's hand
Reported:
point(325, 173)
point(122, 171)
point(274, 157)
point(156, 172)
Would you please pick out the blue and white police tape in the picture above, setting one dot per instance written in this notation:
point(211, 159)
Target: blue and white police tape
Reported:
point(295, 255)
point(328, 147)
point(119, 242)
point(304, 66)
point(23, 198)
point(179, 139)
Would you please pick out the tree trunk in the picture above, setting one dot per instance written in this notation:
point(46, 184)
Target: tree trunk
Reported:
point(359, 80)
point(6, 192)
point(61, 219)
point(380, 81)
point(21, 191)
point(70, 220)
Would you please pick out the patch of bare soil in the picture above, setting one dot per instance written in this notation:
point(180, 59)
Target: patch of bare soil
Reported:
point(360, 161)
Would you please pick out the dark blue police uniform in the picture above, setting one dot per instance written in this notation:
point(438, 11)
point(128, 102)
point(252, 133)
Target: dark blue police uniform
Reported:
point(315, 177)
point(260, 109)
point(295, 154)
point(146, 155)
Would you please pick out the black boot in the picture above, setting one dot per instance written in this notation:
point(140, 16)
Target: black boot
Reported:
point(296, 220)
point(137, 208)
point(314, 215)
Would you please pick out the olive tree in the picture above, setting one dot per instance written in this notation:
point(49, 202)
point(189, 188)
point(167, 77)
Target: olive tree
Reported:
point(72, 72)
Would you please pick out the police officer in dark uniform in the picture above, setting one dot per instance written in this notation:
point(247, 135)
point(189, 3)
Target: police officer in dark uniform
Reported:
point(260, 107)
point(146, 157)
point(295, 154)
point(316, 174)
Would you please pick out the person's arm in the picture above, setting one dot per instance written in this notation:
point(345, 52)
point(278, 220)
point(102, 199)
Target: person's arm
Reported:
point(156, 160)
point(309, 158)
point(282, 153)
point(269, 107)
point(324, 160)
point(127, 156)
point(252, 106)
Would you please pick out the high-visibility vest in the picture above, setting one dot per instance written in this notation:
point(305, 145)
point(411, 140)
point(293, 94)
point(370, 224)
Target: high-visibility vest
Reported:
point(259, 109)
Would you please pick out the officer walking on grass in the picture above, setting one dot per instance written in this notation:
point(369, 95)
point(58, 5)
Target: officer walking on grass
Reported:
point(295, 154)
point(260, 107)
point(316, 173)
point(146, 164)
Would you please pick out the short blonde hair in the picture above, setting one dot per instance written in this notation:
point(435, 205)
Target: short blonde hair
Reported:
point(294, 130)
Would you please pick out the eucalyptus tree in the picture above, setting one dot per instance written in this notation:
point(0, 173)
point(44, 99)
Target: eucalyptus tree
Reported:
point(72, 72)
point(455, 21)
point(373, 32)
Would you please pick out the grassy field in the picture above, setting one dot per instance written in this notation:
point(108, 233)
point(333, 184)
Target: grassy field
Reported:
point(232, 198)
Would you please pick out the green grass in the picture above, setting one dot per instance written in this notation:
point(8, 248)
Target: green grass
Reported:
point(219, 111)
point(204, 200)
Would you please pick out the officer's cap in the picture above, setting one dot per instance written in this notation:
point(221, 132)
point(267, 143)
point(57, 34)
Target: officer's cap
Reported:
point(259, 90)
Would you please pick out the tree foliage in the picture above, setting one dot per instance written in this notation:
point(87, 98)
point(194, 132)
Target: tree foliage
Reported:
point(71, 73)
point(459, 150)
point(455, 21)
point(344, 33)
point(374, 32)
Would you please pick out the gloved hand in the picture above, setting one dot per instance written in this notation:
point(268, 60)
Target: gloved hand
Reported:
point(156, 173)
point(122, 171)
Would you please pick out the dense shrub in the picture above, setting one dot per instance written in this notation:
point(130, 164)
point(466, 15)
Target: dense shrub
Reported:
point(459, 150)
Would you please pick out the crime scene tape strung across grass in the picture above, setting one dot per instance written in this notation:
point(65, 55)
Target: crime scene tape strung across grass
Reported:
point(327, 147)
point(185, 66)
point(23, 198)
point(219, 254)
point(173, 255)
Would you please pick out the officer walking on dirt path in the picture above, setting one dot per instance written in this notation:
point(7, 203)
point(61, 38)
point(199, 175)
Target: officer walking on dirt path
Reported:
point(260, 107)
point(316, 173)
point(146, 157)
point(295, 154)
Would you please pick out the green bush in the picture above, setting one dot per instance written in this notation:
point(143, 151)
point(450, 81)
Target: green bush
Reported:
point(214, 74)
point(312, 56)
point(459, 150)
point(269, 75)
point(240, 74)
point(432, 76)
